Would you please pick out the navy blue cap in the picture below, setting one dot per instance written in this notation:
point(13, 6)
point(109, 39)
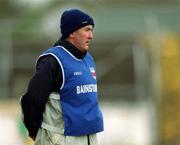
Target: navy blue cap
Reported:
point(72, 20)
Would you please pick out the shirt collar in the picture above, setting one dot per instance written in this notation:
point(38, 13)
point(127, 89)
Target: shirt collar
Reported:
point(72, 49)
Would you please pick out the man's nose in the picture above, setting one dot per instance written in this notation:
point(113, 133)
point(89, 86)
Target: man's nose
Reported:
point(90, 35)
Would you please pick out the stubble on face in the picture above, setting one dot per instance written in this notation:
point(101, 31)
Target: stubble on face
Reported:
point(82, 38)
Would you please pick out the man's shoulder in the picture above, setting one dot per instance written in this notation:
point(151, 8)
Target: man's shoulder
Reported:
point(53, 49)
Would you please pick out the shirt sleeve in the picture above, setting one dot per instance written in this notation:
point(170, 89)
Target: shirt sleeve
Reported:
point(46, 79)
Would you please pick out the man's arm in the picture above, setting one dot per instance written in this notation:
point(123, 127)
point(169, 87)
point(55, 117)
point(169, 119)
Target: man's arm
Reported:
point(46, 79)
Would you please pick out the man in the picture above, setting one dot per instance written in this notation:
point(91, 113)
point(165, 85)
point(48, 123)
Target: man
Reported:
point(61, 104)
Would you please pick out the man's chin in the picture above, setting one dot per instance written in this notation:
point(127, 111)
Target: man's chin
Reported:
point(86, 48)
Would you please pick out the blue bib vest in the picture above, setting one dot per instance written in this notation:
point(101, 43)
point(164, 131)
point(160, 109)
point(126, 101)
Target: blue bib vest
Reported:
point(78, 93)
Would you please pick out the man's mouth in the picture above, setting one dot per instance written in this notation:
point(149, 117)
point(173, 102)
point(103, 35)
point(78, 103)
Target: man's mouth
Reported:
point(87, 42)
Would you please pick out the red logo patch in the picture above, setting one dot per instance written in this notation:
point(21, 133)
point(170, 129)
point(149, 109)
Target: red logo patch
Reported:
point(93, 72)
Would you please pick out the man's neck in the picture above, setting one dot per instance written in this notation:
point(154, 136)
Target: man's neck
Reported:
point(72, 49)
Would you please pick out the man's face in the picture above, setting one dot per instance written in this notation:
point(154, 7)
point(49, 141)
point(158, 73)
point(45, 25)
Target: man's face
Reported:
point(82, 37)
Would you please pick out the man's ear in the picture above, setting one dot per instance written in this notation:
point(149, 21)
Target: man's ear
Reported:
point(71, 35)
